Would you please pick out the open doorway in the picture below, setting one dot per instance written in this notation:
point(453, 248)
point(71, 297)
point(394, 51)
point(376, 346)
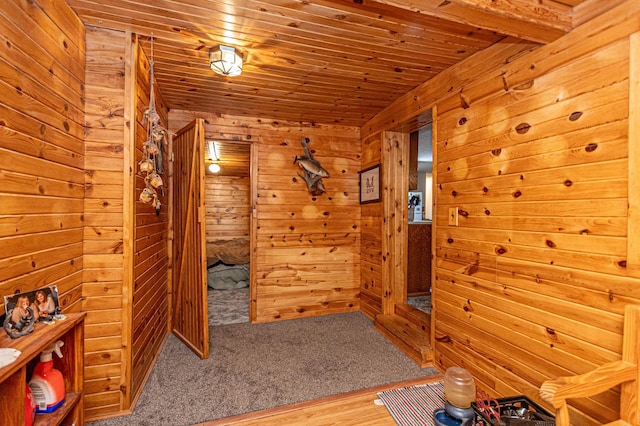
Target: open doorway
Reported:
point(228, 201)
point(420, 208)
point(407, 327)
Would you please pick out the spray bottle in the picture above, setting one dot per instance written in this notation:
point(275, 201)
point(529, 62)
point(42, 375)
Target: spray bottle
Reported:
point(46, 382)
point(29, 407)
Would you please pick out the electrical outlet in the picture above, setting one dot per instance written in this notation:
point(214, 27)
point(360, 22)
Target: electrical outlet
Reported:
point(453, 216)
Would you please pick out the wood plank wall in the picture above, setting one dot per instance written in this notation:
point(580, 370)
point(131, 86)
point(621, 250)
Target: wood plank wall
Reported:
point(533, 282)
point(394, 191)
point(405, 115)
point(371, 238)
point(307, 257)
point(41, 150)
point(534, 278)
point(105, 278)
point(227, 207)
point(228, 194)
point(150, 316)
point(125, 243)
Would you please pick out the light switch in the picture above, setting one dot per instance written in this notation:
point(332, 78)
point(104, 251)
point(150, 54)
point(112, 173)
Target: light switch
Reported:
point(453, 216)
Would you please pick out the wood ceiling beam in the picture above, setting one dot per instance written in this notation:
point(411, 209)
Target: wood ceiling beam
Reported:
point(542, 22)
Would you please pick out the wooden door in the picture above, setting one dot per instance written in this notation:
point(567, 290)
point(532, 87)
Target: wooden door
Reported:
point(419, 259)
point(190, 312)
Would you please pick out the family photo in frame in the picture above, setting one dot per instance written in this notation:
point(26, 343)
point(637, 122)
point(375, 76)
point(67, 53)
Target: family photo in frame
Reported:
point(24, 310)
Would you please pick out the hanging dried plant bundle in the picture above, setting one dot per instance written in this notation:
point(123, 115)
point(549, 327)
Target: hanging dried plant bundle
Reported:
point(151, 165)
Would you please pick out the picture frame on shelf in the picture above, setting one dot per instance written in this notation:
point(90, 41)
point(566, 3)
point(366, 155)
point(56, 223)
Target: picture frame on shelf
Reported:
point(370, 184)
point(23, 310)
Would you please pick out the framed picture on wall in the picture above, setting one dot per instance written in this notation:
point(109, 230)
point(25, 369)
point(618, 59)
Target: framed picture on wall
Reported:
point(370, 185)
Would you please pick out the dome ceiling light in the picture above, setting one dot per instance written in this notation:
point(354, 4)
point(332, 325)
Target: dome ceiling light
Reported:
point(224, 60)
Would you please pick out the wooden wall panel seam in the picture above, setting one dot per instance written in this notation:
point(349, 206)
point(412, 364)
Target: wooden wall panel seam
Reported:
point(633, 234)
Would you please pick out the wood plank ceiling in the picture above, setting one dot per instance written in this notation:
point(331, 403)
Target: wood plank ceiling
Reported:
point(320, 61)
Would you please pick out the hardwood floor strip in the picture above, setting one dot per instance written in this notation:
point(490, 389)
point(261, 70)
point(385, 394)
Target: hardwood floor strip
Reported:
point(347, 408)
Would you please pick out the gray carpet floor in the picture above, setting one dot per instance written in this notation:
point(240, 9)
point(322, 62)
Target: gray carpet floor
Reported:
point(258, 366)
point(420, 302)
point(228, 306)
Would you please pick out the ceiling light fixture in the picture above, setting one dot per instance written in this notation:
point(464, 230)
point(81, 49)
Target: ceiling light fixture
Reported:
point(214, 167)
point(224, 60)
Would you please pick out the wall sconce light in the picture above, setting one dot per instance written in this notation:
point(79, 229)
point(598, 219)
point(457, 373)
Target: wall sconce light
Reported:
point(214, 167)
point(225, 60)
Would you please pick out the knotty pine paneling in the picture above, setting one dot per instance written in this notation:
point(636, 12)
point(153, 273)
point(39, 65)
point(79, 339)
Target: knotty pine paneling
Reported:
point(105, 278)
point(534, 153)
point(538, 173)
point(307, 249)
point(150, 306)
point(371, 238)
point(407, 108)
point(227, 206)
point(125, 243)
point(41, 150)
